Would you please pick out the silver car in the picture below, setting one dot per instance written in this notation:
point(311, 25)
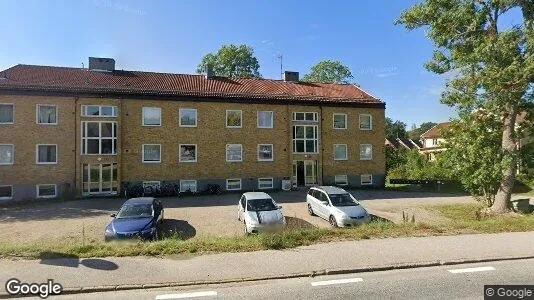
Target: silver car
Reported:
point(335, 205)
point(259, 212)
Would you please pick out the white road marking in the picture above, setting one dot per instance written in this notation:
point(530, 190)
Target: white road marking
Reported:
point(337, 281)
point(186, 295)
point(470, 270)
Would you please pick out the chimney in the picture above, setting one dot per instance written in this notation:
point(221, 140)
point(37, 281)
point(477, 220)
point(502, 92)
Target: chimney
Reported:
point(291, 76)
point(101, 64)
point(209, 71)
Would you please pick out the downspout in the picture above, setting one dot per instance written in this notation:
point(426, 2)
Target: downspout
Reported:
point(321, 144)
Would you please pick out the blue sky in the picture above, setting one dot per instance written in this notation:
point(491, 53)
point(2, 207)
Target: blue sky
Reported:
point(172, 36)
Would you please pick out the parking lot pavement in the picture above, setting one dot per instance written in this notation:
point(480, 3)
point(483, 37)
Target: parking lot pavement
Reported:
point(85, 219)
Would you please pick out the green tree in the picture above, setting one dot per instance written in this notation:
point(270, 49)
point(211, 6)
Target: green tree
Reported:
point(329, 71)
point(416, 132)
point(231, 61)
point(495, 69)
point(395, 129)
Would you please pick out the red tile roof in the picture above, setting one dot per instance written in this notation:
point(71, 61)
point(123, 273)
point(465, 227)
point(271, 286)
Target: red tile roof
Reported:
point(79, 80)
point(436, 131)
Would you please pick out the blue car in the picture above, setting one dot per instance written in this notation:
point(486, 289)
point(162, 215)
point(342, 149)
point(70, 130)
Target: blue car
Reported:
point(137, 218)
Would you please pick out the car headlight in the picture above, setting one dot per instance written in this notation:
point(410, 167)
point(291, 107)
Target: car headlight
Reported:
point(109, 230)
point(150, 230)
point(343, 217)
point(253, 222)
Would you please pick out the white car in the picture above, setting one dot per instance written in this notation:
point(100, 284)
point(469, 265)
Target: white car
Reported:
point(259, 212)
point(335, 205)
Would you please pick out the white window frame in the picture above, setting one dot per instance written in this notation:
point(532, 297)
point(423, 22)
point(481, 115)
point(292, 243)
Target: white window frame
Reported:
point(180, 116)
point(366, 183)
point(271, 179)
point(152, 183)
point(342, 180)
point(143, 116)
point(294, 140)
point(113, 108)
point(371, 157)
point(272, 152)
point(13, 121)
point(226, 153)
point(370, 122)
point(346, 152)
point(234, 179)
point(38, 106)
point(11, 188)
point(12, 157)
point(240, 116)
point(334, 121)
point(188, 180)
point(38, 188)
point(180, 153)
point(258, 119)
point(315, 116)
point(113, 138)
point(143, 154)
point(37, 155)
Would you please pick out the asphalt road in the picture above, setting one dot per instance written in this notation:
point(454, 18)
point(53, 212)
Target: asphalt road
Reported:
point(445, 282)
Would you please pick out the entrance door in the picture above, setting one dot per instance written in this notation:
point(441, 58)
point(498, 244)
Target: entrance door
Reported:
point(304, 172)
point(99, 179)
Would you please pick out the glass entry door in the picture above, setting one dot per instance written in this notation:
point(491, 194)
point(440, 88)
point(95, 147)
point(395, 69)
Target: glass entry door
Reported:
point(99, 179)
point(304, 172)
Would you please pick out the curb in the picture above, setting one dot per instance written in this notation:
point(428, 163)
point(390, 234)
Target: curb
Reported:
point(110, 288)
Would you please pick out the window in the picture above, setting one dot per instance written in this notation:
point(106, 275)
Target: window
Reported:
point(46, 114)
point(6, 192)
point(154, 185)
point(151, 153)
point(265, 152)
point(265, 119)
point(305, 116)
point(188, 186)
point(188, 117)
point(340, 121)
point(340, 152)
point(99, 138)
point(99, 111)
point(46, 191)
point(188, 153)
point(341, 180)
point(7, 153)
point(366, 179)
point(434, 142)
point(366, 122)
point(234, 152)
point(233, 184)
point(234, 118)
point(151, 116)
point(46, 154)
point(305, 139)
point(366, 152)
point(265, 183)
point(7, 112)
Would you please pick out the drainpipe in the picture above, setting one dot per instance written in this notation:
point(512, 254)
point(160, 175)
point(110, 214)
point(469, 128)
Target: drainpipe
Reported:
point(321, 144)
point(76, 147)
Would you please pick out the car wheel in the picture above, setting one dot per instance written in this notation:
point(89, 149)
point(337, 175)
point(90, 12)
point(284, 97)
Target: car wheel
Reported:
point(246, 230)
point(310, 210)
point(333, 222)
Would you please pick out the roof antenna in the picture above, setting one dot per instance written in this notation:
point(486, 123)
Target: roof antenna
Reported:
point(281, 58)
point(83, 67)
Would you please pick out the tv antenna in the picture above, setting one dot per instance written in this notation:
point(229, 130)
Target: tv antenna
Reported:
point(281, 58)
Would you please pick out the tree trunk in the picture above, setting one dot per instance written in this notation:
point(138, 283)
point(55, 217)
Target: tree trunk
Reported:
point(509, 148)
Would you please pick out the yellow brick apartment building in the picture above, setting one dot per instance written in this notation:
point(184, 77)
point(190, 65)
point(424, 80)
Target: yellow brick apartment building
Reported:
point(73, 132)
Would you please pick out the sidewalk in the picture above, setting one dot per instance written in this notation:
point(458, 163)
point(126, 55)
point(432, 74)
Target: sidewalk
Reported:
point(367, 255)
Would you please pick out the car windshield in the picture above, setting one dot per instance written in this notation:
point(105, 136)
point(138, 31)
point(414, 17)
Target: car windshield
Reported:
point(135, 211)
point(342, 200)
point(260, 205)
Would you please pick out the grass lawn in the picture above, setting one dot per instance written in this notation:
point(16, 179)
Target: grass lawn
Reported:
point(462, 219)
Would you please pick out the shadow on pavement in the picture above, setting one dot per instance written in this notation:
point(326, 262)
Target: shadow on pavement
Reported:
point(294, 223)
point(72, 261)
point(183, 229)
